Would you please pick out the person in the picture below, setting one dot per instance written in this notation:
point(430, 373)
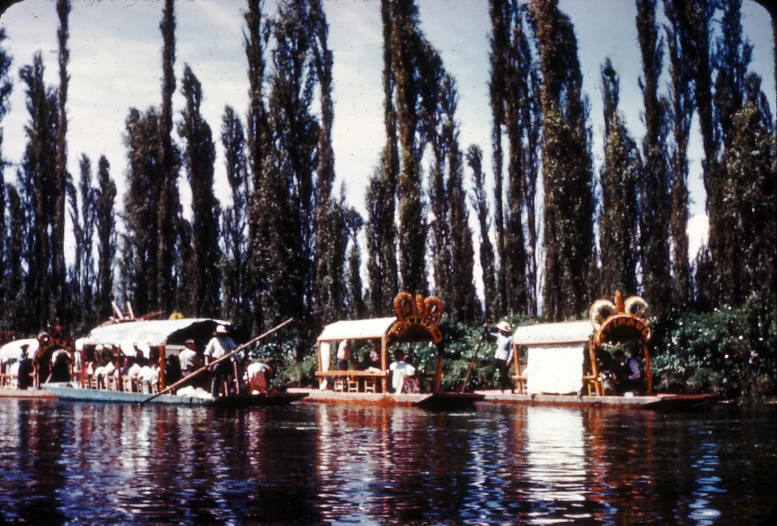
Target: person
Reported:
point(220, 345)
point(400, 370)
point(148, 377)
point(60, 366)
point(257, 374)
point(172, 369)
point(189, 359)
point(503, 354)
point(343, 355)
point(627, 375)
point(369, 362)
point(25, 369)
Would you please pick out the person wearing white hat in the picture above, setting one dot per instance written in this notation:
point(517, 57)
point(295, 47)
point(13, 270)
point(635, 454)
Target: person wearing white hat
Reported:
point(220, 345)
point(503, 354)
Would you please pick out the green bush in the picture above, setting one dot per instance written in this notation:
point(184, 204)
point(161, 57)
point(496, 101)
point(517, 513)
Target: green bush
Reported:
point(729, 352)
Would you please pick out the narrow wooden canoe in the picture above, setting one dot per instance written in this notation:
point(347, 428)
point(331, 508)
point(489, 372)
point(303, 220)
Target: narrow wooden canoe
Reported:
point(436, 401)
point(660, 402)
point(68, 392)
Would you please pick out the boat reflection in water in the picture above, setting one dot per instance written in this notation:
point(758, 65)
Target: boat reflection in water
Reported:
point(320, 463)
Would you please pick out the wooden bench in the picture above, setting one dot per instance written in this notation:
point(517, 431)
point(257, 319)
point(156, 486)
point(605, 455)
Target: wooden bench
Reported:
point(353, 381)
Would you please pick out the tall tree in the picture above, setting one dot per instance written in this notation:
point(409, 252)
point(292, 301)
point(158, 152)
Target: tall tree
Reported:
point(144, 182)
point(654, 224)
point(682, 114)
point(39, 175)
point(14, 272)
point(236, 305)
point(62, 175)
point(5, 92)
point(567, 168)
point(325, 170)
point(256, 125)
point(105, 224)
point(83, 220)
point(199, 155)
point(620, 171)
point(168, 202)
point(500, 12)
point(410, 53)
point(486, 254)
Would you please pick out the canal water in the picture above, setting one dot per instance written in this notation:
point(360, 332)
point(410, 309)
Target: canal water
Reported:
point(71, 463)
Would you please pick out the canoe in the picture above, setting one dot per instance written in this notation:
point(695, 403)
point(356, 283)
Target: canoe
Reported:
point(66, 391)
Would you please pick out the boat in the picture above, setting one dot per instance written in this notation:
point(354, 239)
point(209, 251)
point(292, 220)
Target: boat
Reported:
point(416, 320)
point(156, 340)
point(563, 361)
point(71, 392)
point(10, 353)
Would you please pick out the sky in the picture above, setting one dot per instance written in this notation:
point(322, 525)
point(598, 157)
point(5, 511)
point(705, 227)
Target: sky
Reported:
point(115, 48)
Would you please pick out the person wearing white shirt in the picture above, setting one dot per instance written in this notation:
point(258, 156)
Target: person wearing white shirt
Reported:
point(400, 370)
point(257, 373)
point(218, 346)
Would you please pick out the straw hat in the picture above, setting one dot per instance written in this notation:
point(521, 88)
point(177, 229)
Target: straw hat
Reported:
point(503, 326)
point(221, 329)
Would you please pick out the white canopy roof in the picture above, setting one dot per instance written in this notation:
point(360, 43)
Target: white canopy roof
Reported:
point(357, 329)
point(12, 350)
point(150, 333)
point(553, 333)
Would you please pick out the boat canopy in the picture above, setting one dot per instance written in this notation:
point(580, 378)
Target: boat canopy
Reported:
point(376, 328)
point(11, 350)
point(152, 333)
point(553, 333)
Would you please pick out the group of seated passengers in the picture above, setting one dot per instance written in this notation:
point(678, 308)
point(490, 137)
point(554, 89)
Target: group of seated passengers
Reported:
point(401, 370)
point(143, 372)
point(620, 373)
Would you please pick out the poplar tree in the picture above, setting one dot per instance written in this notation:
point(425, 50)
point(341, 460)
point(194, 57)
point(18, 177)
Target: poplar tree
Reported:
point(256, 128)
point(620, 213)
point(105, 224)
point(381, 193)
point(40, 181)
point(500, 12)
point(409, 47)
point(235, 220)
point(325, 170)
point(567, 169)
point(14, 273)
point(5, 92)
point(486, 254)
point(199, 155)
point(682, 114)
point(168, 201)
point(144, 182)
point(83, 220)
point(63, 179)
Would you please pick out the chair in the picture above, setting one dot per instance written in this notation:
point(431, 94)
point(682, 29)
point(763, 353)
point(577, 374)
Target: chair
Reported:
point(370, 384)
point(353, 384)
point(339, 384)
point(91, 382)
point(126, 384)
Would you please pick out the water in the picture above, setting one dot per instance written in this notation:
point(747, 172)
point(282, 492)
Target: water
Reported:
point(70, 463)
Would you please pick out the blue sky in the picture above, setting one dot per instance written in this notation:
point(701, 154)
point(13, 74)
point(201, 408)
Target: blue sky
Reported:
point(116, 52)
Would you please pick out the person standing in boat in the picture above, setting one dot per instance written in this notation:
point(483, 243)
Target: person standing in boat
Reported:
point(503, 354)
point(400, 371)
point(24, 373)
point(343, 355)
point(220, 345)
point(190, 360)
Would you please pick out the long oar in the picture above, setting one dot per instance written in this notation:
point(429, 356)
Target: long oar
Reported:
point(472, 363)
point(214, 362)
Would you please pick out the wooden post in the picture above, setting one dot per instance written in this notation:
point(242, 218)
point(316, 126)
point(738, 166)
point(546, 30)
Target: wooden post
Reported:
point(594, 368)
point(383, 363)
point(438, 374)
point(162, 364)
point(517, 358)
point(648, 373)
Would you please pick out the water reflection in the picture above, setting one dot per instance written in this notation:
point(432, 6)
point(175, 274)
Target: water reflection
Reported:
point(113, 464)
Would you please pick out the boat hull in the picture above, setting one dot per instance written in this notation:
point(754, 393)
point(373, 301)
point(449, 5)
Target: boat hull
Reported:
point(661, 402)
point(27, 394)
point(436, 401)
point(67, 392)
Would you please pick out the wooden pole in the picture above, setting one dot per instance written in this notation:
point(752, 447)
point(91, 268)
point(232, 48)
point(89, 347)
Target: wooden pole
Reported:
point(472, 363)
point(214, 362)
point(648, 373)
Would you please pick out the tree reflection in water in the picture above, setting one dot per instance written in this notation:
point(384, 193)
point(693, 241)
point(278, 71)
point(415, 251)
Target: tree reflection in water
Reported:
point(112, 464)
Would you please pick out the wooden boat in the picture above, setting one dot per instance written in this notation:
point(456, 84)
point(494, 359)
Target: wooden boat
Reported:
point(563, 361)
point(70, 392)
point(416, 320)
